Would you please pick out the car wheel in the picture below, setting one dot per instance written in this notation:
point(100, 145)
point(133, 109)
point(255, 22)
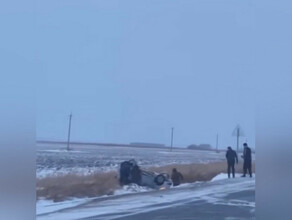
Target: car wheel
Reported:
point(159, 180)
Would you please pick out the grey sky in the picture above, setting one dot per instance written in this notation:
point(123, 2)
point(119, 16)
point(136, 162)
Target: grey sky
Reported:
point(131, 70)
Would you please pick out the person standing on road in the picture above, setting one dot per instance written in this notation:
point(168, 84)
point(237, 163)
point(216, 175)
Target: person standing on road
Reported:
point(231, 157)
point(176, 177)
point(246, 160)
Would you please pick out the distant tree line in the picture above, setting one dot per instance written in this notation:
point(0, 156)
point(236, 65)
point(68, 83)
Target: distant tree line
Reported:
point(200, 147)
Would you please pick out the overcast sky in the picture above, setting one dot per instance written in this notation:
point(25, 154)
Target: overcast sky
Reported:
point(129, 71)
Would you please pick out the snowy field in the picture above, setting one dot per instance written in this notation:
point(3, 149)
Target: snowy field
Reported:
point(217, 196)
point(53, 159)
point(198, 200)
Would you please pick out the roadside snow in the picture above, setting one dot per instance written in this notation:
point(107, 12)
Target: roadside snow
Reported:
point(47, 206)
point(223, 176)
point(133, 188)
point(185, 185)
point(145, 202)
point(62, 151)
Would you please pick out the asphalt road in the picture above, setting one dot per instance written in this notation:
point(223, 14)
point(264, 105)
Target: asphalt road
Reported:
point(233, 206)
point(219, 200)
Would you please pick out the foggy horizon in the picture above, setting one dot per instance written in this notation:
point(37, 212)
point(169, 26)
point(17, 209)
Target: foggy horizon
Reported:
point(212, 143)
point(129, 72)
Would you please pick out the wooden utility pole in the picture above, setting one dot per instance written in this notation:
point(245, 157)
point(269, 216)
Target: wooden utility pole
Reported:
point(217, 140)
point(237, 139)
point(171, 141)
point(69, 132)
point(237, 132)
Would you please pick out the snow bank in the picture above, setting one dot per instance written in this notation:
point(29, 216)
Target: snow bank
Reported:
point(132, 188)
point(62, 151)
point(223, 176)
point(47, 206)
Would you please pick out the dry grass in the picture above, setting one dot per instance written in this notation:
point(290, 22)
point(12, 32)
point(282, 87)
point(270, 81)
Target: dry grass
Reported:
point(59, 188)
point(198, 172)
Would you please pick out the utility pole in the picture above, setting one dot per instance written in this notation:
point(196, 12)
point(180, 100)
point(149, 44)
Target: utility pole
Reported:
point(237, 138)
point(237, 132)
point(171, 143)
point(217, 139)
point(69, 132)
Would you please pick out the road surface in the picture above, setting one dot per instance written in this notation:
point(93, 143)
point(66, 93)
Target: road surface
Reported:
point(220, 199)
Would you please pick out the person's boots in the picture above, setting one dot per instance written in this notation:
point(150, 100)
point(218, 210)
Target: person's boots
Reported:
point(243, 175)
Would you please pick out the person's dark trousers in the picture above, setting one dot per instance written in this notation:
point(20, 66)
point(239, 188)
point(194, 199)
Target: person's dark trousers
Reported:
point(247, 167)
point(230, 165)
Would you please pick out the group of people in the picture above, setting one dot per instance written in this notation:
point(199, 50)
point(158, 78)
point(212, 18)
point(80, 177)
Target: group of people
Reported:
point(131, 173)
point(231, 157)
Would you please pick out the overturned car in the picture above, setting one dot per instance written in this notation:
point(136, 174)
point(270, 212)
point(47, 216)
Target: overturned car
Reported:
point(131, 173)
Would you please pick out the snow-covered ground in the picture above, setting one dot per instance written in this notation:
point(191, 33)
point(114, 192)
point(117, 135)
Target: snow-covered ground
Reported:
point(133, 201)
point(55, 160)
point(47, 206)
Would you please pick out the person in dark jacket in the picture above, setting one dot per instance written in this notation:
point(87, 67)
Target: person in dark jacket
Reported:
point(246, 160)
point(176, 177)
point(231, 157)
